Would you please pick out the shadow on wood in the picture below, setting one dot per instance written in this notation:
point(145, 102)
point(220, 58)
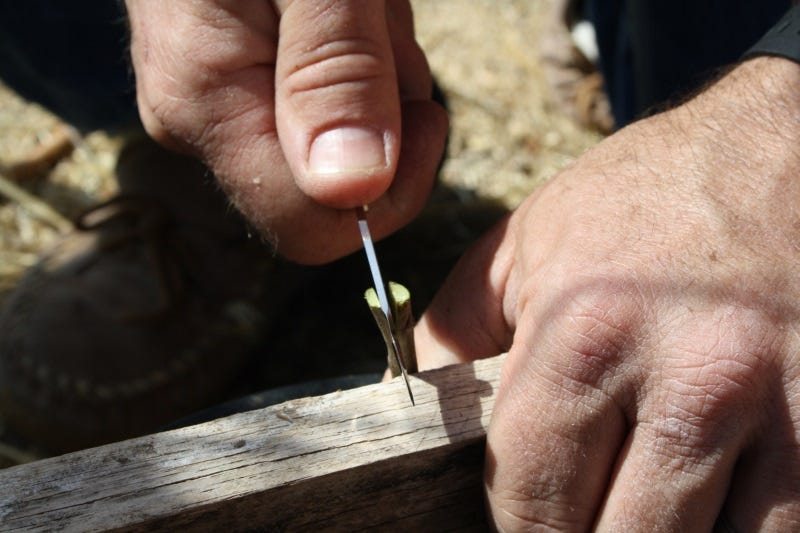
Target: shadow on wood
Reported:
point(357, 459)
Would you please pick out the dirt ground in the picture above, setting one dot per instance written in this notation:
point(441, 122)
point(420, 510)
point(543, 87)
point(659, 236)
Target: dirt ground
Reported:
point(506, 137)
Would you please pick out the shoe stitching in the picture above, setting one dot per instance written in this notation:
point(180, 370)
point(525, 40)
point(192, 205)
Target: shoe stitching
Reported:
point(128, 218)
point(82, 387)
point(141, 218)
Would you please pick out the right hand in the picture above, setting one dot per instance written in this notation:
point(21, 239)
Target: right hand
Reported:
point(299, 107)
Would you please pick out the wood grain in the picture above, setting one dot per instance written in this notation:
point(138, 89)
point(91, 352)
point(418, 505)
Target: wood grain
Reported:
point(357, 459)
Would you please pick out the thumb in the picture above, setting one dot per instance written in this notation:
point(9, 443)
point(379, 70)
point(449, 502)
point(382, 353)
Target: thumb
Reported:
point(337, 99)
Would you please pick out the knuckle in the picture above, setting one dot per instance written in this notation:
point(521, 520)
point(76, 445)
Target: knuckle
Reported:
point(152, 125)
point(723, 361)
point(517, 511)
point(679, 442)
point(199, 127)
point(155, 126)
point(715, 385)
point(591, 334)
point(168, 119)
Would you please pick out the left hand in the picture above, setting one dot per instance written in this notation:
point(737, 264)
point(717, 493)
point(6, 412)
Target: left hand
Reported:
point(649, 299)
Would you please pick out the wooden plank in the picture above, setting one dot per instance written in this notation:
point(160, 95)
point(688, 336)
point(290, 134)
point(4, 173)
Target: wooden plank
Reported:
point(357, 459)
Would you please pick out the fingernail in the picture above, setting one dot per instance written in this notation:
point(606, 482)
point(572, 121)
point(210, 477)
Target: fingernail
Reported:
point(346, 150)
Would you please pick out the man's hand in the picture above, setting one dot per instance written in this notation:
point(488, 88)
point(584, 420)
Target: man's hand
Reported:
point(298, 107)
point(649, 298)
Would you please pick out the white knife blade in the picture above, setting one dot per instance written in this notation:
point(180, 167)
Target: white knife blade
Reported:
point(380, 289)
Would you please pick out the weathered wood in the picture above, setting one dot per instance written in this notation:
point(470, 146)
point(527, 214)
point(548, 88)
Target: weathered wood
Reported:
point(357, 459)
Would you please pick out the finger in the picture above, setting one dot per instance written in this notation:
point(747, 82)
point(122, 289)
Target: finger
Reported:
point(466, 319)
point(686, 484)
point(557, 422)
point(699, 410)
point(765, 491)
point(473, 315)
point(338, 105)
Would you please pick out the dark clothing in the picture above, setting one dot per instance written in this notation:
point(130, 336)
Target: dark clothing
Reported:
point(71, 57)
point(652, 51)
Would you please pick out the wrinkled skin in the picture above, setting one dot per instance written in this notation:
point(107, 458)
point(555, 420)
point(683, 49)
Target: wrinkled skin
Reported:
point(647, 295)
point(648, 299)
point(249, 86)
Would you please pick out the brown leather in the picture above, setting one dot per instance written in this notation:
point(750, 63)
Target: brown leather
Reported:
point(143, 315)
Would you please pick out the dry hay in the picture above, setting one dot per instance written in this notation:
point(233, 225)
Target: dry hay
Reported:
point(59, 169)
point(506, 136)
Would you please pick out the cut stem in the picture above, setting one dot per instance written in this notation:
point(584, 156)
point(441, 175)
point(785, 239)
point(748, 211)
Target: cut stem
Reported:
point(402, 326)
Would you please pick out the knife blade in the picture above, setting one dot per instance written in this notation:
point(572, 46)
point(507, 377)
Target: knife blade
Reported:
point(380, 289)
